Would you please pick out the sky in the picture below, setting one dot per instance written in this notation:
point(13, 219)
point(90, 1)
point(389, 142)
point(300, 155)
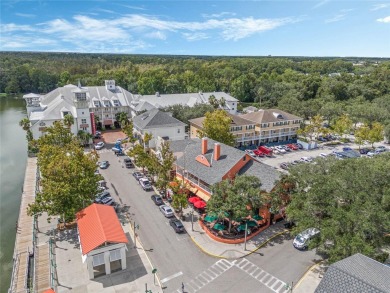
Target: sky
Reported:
point(359, 28)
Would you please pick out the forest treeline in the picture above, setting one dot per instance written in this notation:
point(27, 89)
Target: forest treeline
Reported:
point(303, 86)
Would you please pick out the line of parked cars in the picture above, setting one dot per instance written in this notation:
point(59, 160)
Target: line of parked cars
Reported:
point(264, 151)
point(168, 213)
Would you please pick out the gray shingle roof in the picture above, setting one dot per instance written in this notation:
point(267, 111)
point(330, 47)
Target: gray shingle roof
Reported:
point(236, 121)
point(357, 273)
point(267, 174)
point(229, 157)
point(267, 116)
point(155, 119)
point(190, 99)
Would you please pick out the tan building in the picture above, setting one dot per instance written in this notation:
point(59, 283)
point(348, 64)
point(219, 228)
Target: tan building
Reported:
point(263, 126)
point(242, 129)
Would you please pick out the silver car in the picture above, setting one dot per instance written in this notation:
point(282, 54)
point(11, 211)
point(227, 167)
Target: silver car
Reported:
point(167, 211)
point(301, 241)
point(99, 145)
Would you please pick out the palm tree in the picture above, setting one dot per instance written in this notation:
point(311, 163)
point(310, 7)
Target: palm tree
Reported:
point(222, 102)
point(68, 120)
point(25, 124)
point(147, 138)
point(213, 102)
point(84, 137)
point(122, 118)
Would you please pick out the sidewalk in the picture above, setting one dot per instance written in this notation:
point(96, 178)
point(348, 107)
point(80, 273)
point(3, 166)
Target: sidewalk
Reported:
point(310, 280)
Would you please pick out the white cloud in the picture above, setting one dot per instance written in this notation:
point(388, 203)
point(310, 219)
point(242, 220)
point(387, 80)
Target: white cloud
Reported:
point(335, 18)
point(319, 4)
point(134, 7)
point(195, 36)
point(12, 27)
point(157, 35)
point(380, 6)
point(218, 15)
point(385, 19)
point(25, 15)
point(105, 10)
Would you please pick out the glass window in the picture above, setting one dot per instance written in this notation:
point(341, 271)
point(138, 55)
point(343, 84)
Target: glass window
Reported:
point(83, 121)
point(96, 103)
point(115, 254)
point(98, 259)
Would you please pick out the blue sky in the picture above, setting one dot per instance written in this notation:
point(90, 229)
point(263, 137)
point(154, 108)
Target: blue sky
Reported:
point(238, 28)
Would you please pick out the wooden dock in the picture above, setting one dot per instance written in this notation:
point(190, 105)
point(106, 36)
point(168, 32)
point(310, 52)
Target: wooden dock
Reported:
point(25, 271)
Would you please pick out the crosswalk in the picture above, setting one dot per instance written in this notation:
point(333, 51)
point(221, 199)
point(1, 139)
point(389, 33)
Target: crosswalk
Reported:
point(217, 269)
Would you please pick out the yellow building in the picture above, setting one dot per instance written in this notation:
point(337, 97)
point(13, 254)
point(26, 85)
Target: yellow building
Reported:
point(263, 126)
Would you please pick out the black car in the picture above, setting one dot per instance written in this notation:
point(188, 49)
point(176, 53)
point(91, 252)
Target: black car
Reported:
point(364, 151)
point(157, 200)
point(176, 225)
point(128, 162)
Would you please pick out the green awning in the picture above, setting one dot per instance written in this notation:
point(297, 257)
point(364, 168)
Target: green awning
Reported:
point(241, 228)
point(210, 218)
point(219, 227)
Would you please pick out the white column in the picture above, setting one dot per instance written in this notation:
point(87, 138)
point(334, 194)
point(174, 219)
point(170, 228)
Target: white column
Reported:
point(90, 266)
point(123, 257)
point(107, 262)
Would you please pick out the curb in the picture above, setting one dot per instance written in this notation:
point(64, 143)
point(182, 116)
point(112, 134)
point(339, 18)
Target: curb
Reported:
point(142, 247)
point(250, 252)
point(305, 274)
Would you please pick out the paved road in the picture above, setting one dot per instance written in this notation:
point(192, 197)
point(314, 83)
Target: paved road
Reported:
point(179, 261)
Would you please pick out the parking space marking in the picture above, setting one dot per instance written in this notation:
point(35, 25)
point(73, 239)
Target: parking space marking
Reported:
point(171, 277)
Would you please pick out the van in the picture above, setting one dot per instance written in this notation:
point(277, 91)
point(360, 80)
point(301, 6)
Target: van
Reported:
point(301, 241)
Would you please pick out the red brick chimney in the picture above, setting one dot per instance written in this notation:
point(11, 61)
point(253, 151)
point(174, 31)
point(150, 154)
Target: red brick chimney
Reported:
point(204, 145)
point(217, 151)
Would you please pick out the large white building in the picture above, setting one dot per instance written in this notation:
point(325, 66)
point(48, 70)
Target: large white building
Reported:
point(96, 106)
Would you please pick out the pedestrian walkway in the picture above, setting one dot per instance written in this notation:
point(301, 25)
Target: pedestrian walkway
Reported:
point(310, 280)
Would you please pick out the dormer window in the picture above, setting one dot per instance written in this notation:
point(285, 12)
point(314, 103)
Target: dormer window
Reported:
point(96, 104)
point(106, 103)
point(278, 115)
point(116, 103)
point(81, 96)
point(65, 113)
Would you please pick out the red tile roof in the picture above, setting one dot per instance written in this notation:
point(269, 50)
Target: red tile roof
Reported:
point(49, 291)
point(98, 224)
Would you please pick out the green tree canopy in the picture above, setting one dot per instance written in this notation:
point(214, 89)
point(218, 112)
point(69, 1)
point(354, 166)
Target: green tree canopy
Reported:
point(348, 200)
point(217, 126)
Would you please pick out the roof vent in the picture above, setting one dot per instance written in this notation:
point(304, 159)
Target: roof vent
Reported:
point(200, 93)
point(277, 115)
point(157, 94)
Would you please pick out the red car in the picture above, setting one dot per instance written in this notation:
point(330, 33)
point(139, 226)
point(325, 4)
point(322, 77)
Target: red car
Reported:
point(292, 146)
point(258, 153)
point(265, 150)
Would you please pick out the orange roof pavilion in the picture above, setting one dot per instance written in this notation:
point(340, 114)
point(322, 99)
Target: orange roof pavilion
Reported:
point(99, 224)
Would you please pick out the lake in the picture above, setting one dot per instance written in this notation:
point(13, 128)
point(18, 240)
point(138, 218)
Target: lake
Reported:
point(13, 156)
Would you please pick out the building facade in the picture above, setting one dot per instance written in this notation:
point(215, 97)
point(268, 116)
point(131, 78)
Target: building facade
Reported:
point(255, 128)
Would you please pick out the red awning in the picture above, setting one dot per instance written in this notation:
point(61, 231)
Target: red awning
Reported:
point(194, 199)
point(200, 204)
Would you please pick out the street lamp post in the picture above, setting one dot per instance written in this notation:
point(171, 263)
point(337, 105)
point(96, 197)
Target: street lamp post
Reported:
point(192, 219)
point(246, 232)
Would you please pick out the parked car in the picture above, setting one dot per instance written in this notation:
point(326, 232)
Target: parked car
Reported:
point(321, 138)
point(323, 155)
point(286, 148)
point(373, 153)
point(107, 201)
point(250, 152)
point(104, 165)
point(137, 175)
point(176, 225)
point(100, 196)
point(265, 150)
point(167, 211)
point(346, 149)
point(301, 241)
point(364, 151)
point(284, 166)
point(99, 145)
point(300, 146)
point(128, 162)
point(381, 149)
point(97, 172)
point(145, 184)
point(102, 185)
point(292, 146)
point(280, 149)
point(306, 159)
point(157, 200)
point(258, 153)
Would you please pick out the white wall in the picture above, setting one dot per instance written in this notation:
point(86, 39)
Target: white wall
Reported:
point(171, 132)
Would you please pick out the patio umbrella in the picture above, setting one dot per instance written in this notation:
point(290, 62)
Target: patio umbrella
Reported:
point(257, 217)
point(193, 199)
point(219, 227)
point(210, 218)
point(252, 224)
point(200, 204)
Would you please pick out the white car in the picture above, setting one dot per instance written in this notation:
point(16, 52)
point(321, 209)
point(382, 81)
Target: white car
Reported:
point(306, 159)
point(167, 211)
point(301, 241)
point(99, 145)
point(145, 184)
point(250, 152)
point(280, 149)
point(381, 149)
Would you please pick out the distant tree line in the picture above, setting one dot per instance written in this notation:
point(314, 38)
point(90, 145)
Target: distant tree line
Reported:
point(302, 86)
